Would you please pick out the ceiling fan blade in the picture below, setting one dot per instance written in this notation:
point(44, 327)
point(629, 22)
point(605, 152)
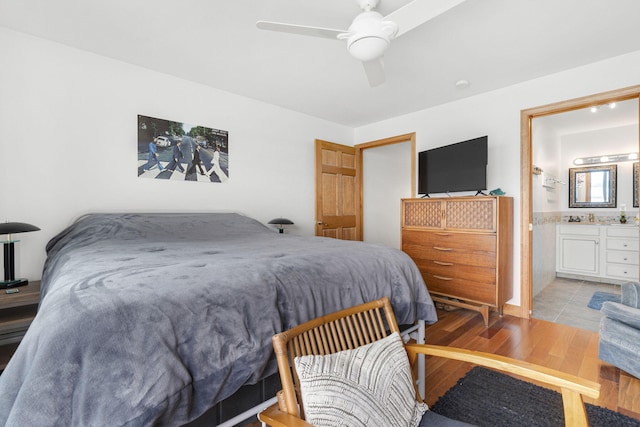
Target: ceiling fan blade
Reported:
point(375, 72)
point(327, 33)
point(418, 12)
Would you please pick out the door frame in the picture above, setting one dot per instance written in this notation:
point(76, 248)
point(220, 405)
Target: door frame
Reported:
point(407, 137)
point(526, 178)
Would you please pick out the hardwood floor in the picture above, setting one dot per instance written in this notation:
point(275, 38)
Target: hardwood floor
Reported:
point(557, 346)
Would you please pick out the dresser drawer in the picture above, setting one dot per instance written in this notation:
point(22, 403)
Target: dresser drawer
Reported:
point(449, 270)
point(444, 239)
point(622, 244)
point(466, 290)
point(467, 249)
point(622, 271)
point(455, 256)
point(623, 257)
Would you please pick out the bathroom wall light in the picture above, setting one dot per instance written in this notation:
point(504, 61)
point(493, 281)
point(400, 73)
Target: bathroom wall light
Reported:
point(609, 158)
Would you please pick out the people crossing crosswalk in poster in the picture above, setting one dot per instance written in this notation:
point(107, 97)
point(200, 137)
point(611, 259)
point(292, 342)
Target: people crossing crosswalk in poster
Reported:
point(181, 152)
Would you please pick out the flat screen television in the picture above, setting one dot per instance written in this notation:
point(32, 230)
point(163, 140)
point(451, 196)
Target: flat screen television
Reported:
point(453, 168)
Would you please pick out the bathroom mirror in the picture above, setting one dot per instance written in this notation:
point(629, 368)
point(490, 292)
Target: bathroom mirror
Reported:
point(593, 187)
point(635, 185)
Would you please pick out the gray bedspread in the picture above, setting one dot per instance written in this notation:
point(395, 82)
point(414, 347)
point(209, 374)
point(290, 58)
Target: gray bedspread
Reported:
point(151, 319)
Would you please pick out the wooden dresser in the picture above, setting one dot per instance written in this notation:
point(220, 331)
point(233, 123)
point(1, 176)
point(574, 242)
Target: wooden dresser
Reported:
point(464, 248)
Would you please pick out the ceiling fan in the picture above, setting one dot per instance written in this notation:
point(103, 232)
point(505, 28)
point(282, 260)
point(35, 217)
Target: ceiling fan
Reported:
point(370, 34)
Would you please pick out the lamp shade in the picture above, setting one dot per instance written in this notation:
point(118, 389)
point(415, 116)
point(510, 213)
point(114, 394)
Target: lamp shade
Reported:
point(281, 221)
point(16, 227)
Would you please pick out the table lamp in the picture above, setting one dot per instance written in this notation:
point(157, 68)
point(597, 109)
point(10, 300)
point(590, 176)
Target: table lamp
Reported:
point(10, 228)
point(280, 222)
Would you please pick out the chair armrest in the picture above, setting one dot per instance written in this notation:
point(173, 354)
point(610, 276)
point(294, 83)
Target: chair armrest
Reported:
point(631, 294)
point(571, 386)
point(622, 313)
point(274, 417)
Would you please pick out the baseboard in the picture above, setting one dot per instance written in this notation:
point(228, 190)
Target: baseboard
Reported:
point(513, 310)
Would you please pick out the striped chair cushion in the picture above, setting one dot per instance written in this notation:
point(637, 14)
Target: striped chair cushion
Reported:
point(368, 386)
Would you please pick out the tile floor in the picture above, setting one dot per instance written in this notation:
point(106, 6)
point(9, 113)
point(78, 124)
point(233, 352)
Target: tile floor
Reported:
point(565, 301)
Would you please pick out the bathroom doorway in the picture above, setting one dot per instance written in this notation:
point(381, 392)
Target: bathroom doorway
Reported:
point(559, 141)
point(530, 261)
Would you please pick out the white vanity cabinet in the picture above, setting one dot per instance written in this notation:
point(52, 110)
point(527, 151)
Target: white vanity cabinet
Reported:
point(578, 249)
point(603, 253)
point(622, 253)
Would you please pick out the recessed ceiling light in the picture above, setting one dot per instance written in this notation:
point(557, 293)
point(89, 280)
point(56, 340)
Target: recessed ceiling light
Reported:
point(461, 84)
point(596, 108)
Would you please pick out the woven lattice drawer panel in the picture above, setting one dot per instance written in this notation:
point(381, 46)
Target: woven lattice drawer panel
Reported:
point(423, 214)
point(470, 214)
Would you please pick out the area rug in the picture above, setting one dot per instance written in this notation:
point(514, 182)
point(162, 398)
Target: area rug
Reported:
point(488, 398)
point(598, 298)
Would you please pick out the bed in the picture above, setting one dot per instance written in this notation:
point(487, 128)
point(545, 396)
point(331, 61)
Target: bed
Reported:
point(151, 319)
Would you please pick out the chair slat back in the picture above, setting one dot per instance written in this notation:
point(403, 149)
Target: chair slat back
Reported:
point(344, 330)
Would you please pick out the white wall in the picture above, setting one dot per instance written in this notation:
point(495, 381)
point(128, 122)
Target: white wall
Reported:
point(387, 179)
point(68, 123)
point(546, 203)
point(546, 194)
point(497, 114)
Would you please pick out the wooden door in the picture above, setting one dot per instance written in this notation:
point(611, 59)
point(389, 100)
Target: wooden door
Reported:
point(338, 195)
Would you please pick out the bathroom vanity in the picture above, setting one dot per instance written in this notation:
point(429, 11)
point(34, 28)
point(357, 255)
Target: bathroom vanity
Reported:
point(606, 253)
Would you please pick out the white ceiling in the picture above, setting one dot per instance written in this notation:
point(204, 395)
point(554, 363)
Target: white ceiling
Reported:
point(490, 43)
point(624, 113)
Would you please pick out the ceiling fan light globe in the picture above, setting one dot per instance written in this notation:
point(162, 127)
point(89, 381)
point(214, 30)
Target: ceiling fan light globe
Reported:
point(367, 48)
point(369, 35)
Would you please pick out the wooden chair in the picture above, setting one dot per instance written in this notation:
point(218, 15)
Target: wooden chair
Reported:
point(366, 323)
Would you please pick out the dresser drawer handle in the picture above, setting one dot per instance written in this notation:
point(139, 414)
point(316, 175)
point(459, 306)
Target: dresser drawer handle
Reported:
point(443, 234)
point(437, 248)
point(442, 278)
point(442, 263)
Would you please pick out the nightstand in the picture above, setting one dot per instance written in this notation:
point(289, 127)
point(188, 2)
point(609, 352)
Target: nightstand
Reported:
point(16, 313)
